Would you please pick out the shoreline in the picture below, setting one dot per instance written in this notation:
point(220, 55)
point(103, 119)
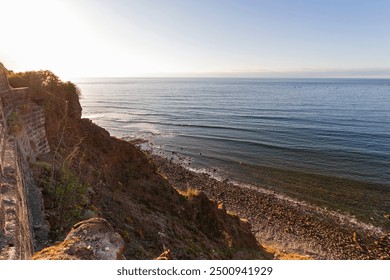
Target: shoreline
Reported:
point(366, 201)
point(288, 225)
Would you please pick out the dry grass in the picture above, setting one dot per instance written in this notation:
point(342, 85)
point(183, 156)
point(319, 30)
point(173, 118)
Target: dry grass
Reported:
point(282, 255)
point(189, 193)
point(231, 213)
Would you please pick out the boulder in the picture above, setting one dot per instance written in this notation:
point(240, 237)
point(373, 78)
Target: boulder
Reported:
point(93, 239)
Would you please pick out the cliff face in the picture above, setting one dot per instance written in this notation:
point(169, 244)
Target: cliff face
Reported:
point(90, 174)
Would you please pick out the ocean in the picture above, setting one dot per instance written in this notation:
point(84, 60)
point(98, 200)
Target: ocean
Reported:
point(326, 141)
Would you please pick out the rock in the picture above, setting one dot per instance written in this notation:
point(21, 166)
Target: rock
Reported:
point(100, 243)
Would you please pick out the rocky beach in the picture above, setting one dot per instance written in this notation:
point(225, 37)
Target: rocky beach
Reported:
point(284, 225)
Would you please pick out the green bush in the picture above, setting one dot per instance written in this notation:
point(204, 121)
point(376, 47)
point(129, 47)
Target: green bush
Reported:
point(42, 81)
point(71, 196)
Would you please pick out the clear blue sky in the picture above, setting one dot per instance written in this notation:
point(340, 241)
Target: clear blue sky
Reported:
point(198, 38)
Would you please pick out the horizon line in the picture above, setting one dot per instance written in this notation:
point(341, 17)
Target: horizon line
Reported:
point(227, 77)
point(302, 74)
point(325, 73)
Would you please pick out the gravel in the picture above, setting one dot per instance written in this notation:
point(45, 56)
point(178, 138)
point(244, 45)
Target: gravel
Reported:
point(286, 224)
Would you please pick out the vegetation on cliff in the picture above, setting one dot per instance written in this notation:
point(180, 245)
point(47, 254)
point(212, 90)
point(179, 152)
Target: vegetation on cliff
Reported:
point(89, 174)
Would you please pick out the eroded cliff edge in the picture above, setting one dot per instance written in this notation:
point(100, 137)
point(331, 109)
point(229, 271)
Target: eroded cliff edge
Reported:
point(88, 174)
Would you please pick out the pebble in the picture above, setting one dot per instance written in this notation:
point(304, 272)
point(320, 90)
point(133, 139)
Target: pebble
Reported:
point(324, 237)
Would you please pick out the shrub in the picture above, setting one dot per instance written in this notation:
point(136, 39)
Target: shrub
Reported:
point(71, 196)
point(42, 81)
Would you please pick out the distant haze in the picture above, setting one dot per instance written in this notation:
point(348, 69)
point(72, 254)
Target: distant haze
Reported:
point(204, 38)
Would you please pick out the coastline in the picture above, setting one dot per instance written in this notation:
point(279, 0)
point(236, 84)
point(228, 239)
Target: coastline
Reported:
point(286, 225)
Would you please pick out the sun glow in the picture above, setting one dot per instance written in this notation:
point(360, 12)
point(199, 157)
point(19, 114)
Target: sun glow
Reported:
point(79, 38)
point(45, 34)
point(72, 42)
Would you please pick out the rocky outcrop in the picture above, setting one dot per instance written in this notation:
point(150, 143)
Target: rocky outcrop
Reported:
point(93, 239)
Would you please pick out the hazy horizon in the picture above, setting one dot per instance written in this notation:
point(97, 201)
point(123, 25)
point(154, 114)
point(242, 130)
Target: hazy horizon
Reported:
point(177, 38)
point(357, 74)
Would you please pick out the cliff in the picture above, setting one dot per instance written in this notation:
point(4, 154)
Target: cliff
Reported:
point(87, 174)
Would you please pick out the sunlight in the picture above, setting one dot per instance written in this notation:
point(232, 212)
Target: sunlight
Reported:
point(57, 35)
point(45, 34)
point(136, 38)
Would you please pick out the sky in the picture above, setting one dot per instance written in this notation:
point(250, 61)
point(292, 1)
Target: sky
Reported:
point(248, 38)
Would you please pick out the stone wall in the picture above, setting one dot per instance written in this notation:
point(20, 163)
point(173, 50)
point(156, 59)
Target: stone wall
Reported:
point(13, 99)
point(3, 79)
point(30, 118)
point(20, 201)
point(16, 236)
point(32, 137)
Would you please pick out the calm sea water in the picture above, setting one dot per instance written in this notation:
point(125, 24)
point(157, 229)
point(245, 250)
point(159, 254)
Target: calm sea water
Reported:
point(334, 127)
point(339, 127)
